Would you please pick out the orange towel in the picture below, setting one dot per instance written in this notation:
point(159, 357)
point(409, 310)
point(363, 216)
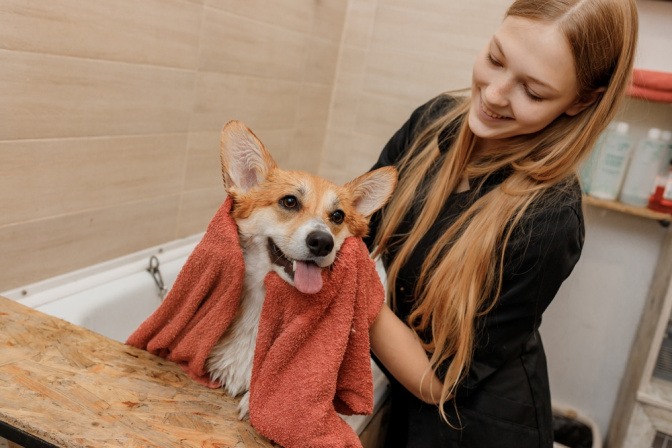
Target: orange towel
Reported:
point(312, 354)
point(651, 85)
point(201, 304)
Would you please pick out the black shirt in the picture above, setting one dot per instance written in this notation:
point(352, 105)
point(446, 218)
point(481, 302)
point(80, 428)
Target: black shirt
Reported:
point(504, 402)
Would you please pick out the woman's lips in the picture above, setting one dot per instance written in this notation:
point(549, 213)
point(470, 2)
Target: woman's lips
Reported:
point(490, 114)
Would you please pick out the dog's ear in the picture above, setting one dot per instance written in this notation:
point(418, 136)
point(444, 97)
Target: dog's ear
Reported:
point(245, 160)
point(372, 190)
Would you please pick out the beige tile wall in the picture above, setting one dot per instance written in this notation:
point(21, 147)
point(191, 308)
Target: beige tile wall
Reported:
point(111, 109)
point(395, 55)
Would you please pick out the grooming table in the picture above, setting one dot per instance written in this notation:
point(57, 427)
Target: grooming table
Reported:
point(65, 386)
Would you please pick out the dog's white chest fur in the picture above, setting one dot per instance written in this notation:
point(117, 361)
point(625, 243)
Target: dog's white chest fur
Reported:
point(230, 361)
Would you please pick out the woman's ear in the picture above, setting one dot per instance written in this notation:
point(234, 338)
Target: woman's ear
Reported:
point(581, 104)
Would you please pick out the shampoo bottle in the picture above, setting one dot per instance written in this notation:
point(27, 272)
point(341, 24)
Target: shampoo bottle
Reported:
point(662, 178)
point(587, 169)
point(664, 202)
point(643, 168)
point(612, 161)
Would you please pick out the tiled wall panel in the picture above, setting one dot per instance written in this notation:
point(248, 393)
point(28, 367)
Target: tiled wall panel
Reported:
point(395, 55)
point(293, 15)
point(111, 112)
point(197, 207)
point(259, 103)
point(48, 177)
point(244, 46)
point(47, 96)
point(153, 32)
point(61, 243)
point(203, 168)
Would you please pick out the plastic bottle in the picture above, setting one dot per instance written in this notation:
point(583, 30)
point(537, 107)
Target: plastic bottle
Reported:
point(662, 176)
point(612, 161)
point(664, 202)
point(644, 166)
point(587, 169)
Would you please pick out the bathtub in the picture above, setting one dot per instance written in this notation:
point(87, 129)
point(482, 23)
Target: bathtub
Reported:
point(115, 297)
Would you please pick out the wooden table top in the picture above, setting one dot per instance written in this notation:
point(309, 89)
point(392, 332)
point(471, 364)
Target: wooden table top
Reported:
point(63, 385)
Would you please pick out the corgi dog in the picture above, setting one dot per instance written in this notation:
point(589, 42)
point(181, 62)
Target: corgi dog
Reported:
point(289, 222)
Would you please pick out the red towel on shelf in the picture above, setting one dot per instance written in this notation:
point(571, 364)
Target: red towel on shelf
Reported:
point(312, 354)
point(651, 85)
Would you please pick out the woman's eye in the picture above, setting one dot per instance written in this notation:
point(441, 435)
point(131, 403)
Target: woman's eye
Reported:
point(533, 96)
point(337, 217)
point(493, 61)
point(289, 202)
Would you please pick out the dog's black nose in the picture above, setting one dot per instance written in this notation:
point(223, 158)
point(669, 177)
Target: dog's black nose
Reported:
point(320, 243)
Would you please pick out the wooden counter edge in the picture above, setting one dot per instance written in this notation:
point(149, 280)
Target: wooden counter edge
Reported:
point(73, 374)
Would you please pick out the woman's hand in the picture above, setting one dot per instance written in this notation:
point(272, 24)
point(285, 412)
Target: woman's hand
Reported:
point(401, 352)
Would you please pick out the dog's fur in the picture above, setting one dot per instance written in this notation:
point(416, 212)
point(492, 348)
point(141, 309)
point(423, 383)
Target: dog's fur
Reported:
point(289, 222)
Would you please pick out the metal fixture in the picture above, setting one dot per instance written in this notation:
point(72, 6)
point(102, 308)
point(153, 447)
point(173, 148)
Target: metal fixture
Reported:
point(155, 272)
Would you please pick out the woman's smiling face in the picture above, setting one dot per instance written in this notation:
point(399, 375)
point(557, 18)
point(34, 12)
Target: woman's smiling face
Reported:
point(522, 80)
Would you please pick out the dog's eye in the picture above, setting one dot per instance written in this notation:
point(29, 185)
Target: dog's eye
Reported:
point(289, 202)
point(337, 217)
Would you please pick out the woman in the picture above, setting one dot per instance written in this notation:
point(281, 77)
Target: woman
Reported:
point(486, 224)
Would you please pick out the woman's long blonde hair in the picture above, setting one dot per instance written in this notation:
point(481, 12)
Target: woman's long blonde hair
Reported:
point(461, 276)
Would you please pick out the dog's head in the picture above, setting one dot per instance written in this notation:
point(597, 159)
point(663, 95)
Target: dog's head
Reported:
point(301, 219)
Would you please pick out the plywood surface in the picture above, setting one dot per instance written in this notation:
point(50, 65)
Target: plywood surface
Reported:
point(74, 388)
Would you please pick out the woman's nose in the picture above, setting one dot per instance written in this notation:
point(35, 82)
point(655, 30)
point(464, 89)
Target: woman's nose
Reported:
point(498, 91)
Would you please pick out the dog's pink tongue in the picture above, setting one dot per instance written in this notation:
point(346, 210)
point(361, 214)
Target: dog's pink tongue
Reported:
point(308, 277)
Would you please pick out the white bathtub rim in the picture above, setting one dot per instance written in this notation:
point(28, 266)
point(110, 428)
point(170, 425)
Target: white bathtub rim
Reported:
point(56, 288)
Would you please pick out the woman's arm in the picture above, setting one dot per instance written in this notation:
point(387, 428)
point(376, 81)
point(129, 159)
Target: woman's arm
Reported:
point(401, 352)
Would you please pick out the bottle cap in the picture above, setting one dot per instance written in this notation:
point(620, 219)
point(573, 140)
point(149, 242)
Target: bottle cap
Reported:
point(654, 134)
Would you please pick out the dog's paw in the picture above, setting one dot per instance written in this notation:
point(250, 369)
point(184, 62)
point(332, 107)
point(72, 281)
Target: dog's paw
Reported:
point(244, 406)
